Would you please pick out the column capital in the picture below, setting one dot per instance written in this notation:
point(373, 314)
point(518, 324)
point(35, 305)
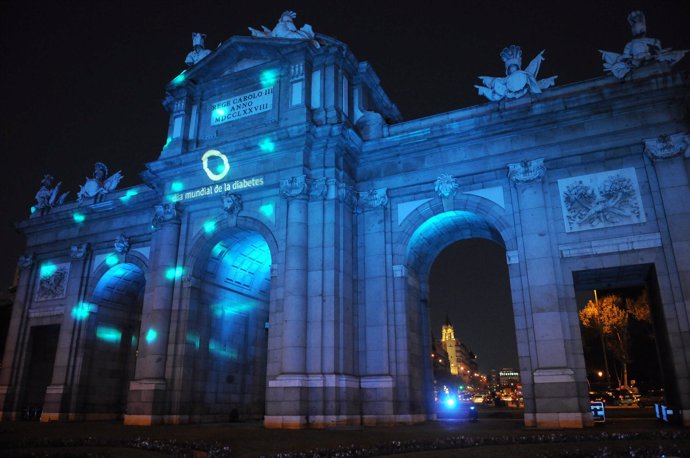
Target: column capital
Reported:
point(667, 146)
point(374, 198)
point(347, 194)
point(78, 251)
point(527, 171)
point(294, 187)
point(26, 260)
point(318, 188)
point(165, 213)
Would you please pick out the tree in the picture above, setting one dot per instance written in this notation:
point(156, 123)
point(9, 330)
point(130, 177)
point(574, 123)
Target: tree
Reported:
point(610, 317)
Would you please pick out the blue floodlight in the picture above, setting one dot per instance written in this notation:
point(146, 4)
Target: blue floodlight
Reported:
point(108, 334)
point(267, 210)
point(269, 78)
point(267, 145)
point(209, 226)
point(179, 79)
point(151, 336)
point(47, 269)
point(81, 310)
point(174, 272)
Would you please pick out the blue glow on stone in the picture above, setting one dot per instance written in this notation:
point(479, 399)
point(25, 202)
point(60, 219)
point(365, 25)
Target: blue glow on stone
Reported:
point(33, 209)
point(112, 259)
point(167, 142)
point(267, 146)
point(81, 310)
point(134, 341)
point(220, 112)
point(219, 349)
point(217, 250)
point(179, 79)
point(269, 78)
point(267, 210)
point(224, 310)
point(47, 269)
point(176, 186)
point(151, 336)
point(108, 334)
point(209, 227)
point(174, 272)
point(78, 217)
point(129, 194)
point(193, 338)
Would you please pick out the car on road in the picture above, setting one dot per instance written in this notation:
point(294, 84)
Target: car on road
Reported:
point(452, 408)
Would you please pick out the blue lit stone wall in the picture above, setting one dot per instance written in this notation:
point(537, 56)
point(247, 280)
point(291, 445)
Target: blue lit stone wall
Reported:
point(286, 249)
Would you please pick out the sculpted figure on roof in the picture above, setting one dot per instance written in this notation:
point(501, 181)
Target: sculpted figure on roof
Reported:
point(517, 82)
point(639, 51)
point(198, 52)
point(286, 28)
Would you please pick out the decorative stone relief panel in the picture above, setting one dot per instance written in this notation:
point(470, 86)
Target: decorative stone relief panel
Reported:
point(52, 282)
point(600, 200)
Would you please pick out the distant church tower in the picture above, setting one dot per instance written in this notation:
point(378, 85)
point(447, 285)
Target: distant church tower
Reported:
point(449, 343)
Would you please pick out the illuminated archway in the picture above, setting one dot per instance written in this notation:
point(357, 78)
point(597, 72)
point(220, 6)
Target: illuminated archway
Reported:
point(431, 238)
point(116, 303)
point(227, 330)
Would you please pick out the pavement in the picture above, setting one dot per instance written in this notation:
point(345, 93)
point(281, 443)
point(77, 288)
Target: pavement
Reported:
point(498, 433)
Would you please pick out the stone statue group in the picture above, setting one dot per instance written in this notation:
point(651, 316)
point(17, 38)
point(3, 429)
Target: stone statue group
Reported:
point(94, 188)
point(639, 51)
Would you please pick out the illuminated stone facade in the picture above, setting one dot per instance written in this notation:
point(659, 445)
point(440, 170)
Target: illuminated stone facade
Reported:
point(278, 253)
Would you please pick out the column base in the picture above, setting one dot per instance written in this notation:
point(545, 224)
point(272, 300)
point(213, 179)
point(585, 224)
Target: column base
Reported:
point(146, 402)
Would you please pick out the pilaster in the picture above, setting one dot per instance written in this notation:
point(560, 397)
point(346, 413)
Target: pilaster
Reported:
point(556, 402)
point(148, 390)
point(16, 343)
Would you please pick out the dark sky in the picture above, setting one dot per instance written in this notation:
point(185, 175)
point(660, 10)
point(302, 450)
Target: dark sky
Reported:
point(82, 80)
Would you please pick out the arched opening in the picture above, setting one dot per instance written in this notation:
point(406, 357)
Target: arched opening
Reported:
point(462, 285)
point(228, 328)
point(626, 347)
point(112, 341)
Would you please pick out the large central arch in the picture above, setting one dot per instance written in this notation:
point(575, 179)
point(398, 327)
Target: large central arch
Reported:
point(227, 329)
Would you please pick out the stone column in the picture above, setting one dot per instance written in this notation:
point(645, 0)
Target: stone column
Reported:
point(147, 392)
point(286, 395)
point(556, 400)
point(669, 155)
point(295, 191)
point(377, 380)
point(15, 346)
point(61, 400)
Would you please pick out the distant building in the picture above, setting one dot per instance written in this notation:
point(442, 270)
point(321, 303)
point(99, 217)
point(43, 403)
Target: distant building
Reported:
point(463, 362)
point(508, 377)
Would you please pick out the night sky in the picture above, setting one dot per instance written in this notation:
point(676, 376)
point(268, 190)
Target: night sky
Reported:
point(83, 80)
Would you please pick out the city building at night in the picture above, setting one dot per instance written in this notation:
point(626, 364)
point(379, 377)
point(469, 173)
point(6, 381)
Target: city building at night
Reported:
point(274, 262)
point(463, 362)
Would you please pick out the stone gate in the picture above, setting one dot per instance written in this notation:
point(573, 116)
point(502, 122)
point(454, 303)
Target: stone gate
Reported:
point(275, 261)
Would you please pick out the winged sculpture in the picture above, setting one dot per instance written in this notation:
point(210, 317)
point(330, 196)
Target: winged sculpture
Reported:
point(517, 82)
point(99, 185)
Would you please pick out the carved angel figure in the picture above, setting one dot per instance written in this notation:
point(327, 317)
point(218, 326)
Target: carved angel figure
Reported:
point(286, 28)
point(198, 51)
point(638, 51)
point(46, 197)
point(517, 82)
point(99, 185)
